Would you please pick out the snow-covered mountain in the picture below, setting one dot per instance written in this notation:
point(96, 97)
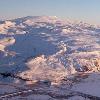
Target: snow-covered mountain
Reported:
point(47, 48)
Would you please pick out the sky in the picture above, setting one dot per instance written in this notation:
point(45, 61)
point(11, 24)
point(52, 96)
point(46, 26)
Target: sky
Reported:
point(84, 10)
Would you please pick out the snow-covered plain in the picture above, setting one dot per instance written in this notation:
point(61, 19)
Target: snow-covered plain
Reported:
point(50, 53)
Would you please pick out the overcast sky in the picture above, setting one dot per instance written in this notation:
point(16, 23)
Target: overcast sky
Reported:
point(85, 10)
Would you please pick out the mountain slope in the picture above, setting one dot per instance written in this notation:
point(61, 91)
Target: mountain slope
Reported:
point(47, 48)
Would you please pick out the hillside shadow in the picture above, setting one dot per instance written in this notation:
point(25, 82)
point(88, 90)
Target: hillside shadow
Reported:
point(27, 46)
